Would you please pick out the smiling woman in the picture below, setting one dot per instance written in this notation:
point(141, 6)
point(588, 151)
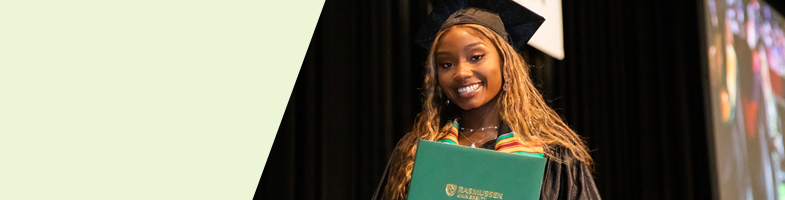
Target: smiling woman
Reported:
point(469, 74)
point(478, 88)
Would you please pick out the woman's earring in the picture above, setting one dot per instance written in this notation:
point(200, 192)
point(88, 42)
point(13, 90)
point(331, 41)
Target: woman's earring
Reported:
point(504, 87)
point(448, 102)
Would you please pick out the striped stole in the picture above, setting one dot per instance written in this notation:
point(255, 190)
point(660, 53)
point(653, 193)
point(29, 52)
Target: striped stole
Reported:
point(507, 143)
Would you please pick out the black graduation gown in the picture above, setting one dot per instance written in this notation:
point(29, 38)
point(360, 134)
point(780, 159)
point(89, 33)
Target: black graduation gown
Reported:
point(571, 179)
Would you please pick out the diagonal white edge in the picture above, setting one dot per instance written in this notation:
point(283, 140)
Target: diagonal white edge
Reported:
point(549, 38)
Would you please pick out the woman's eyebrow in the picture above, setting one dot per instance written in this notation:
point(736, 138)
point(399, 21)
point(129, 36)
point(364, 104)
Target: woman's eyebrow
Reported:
point(467, 47)
point(442, 53)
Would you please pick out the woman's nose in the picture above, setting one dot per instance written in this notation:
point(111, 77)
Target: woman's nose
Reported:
point(464, 71)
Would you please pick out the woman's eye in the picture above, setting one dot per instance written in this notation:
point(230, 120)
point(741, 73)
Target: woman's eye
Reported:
point(477, 57)
point(446, 65)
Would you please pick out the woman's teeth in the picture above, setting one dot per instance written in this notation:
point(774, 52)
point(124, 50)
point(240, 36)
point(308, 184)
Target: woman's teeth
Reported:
point(469, 88)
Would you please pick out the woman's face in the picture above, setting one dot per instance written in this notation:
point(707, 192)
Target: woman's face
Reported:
point(468, 68)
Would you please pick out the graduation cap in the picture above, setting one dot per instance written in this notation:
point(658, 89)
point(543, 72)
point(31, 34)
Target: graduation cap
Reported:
point(512, 21)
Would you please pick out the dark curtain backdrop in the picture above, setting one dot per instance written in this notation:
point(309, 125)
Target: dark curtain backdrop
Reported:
point(631, 83)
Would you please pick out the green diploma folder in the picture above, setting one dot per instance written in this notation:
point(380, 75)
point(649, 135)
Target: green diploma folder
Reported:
point(446, 171)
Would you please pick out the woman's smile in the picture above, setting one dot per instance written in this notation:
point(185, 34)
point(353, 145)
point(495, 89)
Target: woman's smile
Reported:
point(469, 90)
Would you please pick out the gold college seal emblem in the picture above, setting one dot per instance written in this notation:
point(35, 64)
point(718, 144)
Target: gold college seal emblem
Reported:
point(450, 189)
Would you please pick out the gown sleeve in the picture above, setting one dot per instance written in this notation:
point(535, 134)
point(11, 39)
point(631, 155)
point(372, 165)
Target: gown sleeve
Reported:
point(569, 180)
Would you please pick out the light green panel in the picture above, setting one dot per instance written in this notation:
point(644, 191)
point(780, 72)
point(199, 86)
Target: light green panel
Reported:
point(160, 99)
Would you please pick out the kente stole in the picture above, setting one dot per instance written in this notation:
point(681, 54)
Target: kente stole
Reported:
point(508, 142)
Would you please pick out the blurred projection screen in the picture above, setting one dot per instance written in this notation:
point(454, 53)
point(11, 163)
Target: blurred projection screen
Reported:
point(745, 47)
